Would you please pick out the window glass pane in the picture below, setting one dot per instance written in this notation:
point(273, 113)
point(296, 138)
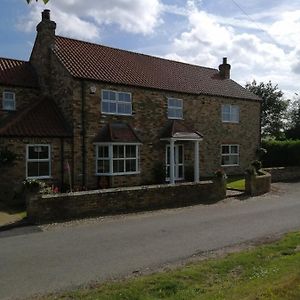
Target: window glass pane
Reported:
point(180, 171)
point(112, 107)
point(105, 106)
point(225, 149)
point(226, 109)
point(233, 159)
point(225, 160)
point(180, 154)
point(130, 165)
point(118, 151)
point(44, 169)
point(125, 97)
point(32, 169)
point(130, 151)
point(234, 149)
point(112, 95)
point(9, 104)
point(105, 95)
point(103, 166)
point(124, 108)
point(118, 166)
point(9, 96)
point(168, 171)
point(103, 151)
point(43, 152)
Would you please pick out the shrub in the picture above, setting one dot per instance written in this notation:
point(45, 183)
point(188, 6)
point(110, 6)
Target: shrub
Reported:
point(281, 153)
point(6, 157)
point(159, 173)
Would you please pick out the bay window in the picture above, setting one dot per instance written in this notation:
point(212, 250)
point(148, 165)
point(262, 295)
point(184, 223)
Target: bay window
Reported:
point(117, 159)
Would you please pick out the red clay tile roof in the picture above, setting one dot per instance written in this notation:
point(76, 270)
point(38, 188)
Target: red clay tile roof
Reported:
point(96, 62)
point(17, 73)
point(115, 132)
point(177, 128)
point(43, 119)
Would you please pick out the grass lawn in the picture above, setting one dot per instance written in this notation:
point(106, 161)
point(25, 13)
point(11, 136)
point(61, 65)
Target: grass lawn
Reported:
point(10, 215)
point(267, 272)
point(236, 183)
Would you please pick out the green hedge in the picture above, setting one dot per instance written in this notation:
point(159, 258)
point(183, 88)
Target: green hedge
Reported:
point(281, 153)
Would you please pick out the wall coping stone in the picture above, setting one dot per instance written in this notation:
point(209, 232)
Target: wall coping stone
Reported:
point(124, 189)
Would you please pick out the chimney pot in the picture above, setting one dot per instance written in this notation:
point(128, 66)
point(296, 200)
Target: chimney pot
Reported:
point(46, 15)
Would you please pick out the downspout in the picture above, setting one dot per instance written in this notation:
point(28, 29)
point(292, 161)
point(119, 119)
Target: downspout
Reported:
point(83, 148)
point(62, 164)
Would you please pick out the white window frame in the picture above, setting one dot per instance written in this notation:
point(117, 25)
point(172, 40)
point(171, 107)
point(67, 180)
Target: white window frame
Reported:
point(117, 93)
point(231, 154)
point(4, 100)
point(28, 160)
point(231, 113)
point(172, 108)
point(176, 163)
point(112, 159)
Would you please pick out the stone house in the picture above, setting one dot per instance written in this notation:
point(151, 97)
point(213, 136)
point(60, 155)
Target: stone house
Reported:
point(110, 117)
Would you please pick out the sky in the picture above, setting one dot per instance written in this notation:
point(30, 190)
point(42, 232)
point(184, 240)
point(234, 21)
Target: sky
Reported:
point(260, 38)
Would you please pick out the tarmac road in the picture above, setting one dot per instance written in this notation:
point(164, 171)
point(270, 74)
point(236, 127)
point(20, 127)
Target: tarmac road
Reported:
point(47, 259)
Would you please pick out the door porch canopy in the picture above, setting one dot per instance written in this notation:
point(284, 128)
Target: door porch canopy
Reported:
point(177, 131)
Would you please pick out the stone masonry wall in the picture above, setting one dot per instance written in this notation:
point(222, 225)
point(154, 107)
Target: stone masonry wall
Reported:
point(24, 97)
point(284, 173)
point(11, 177)
point(149, 117)
point(41, 209)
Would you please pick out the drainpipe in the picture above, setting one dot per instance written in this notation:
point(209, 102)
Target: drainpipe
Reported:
point(62, 164)
point(83, 146)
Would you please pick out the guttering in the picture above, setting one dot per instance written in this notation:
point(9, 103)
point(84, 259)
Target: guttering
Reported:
point(83, 135)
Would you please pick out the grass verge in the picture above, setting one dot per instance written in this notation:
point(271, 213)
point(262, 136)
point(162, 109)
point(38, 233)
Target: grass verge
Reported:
point(236, 183)
point(267, 272)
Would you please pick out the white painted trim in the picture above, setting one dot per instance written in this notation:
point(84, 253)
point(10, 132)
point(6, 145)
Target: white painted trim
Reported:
point(175, 107)
point(9, 100)
point(232, 154)
point(230, 113)
point(176, 165)
point(38, 160)
point(116, 102)
point(111, 159)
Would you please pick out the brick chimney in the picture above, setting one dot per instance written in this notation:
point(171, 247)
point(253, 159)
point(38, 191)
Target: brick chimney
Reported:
point(224, 69)
point(42, 49)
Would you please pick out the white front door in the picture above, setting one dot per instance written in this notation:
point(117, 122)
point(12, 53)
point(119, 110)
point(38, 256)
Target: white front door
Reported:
point(178, 162)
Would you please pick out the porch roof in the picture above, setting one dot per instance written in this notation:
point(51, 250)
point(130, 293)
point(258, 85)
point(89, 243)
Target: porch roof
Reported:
point(176, 129)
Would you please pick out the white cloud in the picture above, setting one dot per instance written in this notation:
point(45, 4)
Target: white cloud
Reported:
point(84, 19)
point(253, 54)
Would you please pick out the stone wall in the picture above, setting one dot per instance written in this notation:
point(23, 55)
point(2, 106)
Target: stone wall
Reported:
point(41, 209)
point(284, 173)
point(24, 97)
point(11, 177)
point(257, 184)
point(149, 117)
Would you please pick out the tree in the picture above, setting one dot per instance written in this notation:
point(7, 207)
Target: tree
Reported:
point(293, 131)
point(45, 1)
point(274, 108)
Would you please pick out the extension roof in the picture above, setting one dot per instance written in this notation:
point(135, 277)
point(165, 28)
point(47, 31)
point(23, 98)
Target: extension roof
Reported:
point(17, 73)
point(91, 61)
point(42, 119)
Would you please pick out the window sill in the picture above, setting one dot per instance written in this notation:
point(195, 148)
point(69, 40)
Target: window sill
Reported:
point(39, 177)
point(230, 122)
point(229, 166)
point(117, 174)
point(116, 114)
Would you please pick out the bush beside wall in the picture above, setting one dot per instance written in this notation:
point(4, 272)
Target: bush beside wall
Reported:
point(41, 209)
point(281, 153)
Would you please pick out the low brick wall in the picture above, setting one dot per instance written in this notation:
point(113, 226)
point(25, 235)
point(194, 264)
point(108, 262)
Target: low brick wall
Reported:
point(257, 184)
point(284, 173)
point(46, 208)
